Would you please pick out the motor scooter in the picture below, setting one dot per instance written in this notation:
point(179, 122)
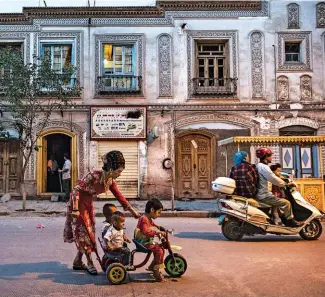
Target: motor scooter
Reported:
point(246, 216)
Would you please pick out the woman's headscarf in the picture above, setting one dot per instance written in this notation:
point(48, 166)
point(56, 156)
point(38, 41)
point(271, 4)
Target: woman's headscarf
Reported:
point(240, 157)
point(113, 160)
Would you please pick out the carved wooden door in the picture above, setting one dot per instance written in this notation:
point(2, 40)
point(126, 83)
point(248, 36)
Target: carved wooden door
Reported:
point(10, 167)
point(194, 168)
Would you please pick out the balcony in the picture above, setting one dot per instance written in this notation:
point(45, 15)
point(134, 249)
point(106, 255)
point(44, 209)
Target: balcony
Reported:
point(213, 87)
point(119, 84)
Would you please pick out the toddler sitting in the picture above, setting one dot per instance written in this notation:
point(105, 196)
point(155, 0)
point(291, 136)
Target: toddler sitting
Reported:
point(114, 238)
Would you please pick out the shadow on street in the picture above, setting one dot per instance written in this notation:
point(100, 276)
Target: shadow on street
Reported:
point(216, 236)
point(61, 273)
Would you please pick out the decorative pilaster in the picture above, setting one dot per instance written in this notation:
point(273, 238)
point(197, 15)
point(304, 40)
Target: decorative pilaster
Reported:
point(257, 62)
point(320, 15)
point(293, 16)
point(165, 65)
point(305, 88)
point(283, 88)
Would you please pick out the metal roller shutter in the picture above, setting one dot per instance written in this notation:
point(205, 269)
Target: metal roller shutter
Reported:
point(128, 181)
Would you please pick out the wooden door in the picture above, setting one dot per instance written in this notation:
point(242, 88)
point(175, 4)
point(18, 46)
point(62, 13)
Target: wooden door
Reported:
point(193, 167)
point(10, 167)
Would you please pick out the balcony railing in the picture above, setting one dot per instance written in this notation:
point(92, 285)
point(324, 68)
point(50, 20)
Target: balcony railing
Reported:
point(121, 84)
point(214, 87)
point(49, 87)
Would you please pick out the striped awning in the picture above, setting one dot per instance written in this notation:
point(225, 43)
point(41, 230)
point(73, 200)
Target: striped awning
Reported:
point(256, 140)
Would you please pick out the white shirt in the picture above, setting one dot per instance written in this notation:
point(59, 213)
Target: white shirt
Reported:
point(114, 237)
point(265, 176)
point(67, 165)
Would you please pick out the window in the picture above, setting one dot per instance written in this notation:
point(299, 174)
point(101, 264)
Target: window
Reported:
point(61, 56)
point(15, 47)
point(118, 72)
point(292, 52)
point(118, 59)
point(211, 64)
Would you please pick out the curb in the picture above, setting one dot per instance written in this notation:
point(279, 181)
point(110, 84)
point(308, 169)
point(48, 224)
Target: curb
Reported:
point(166, 214)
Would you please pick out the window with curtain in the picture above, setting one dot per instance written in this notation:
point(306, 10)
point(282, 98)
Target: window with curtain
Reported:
point(61, 56)
point(118, 59)
point(118, 68)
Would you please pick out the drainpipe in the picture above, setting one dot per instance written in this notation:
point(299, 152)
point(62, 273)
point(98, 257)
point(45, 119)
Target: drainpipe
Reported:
point(275, 78)
point(88, 113)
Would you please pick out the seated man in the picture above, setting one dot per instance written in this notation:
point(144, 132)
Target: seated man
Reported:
point(264, 195)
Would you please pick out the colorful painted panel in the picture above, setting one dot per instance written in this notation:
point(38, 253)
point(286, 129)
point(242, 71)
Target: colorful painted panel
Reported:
point(287, 157)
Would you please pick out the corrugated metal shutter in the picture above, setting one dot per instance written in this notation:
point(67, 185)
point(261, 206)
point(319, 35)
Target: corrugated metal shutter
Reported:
point(128, 181)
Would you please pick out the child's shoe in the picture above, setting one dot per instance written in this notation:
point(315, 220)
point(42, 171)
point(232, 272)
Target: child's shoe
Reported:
point(278, 222)
point(158, 275)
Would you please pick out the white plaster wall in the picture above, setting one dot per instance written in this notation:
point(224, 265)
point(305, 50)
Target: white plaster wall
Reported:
point(277, 22)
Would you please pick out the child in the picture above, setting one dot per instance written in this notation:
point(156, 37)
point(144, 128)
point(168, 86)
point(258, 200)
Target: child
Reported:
point(114, 237)
point(108, 210)
point(277, 192)
point(145, 234)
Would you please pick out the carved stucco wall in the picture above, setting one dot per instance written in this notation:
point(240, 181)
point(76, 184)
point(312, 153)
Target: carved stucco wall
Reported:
point(165, 65)
point(257, 64)
point(306, 88)
point(283, 88)
point(320, 15)
point(293, 16)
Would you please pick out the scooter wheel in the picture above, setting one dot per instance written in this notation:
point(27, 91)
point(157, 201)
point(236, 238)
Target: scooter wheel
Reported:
point(175, 268)
point(312, 231)
point(231, 229)
point(116, 273)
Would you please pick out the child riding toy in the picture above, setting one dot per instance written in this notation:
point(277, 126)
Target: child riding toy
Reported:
point(116, 267)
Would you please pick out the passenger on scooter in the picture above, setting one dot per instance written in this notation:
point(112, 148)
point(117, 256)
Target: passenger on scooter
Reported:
point(264, 195)
point(245, 174)
point(277, 192)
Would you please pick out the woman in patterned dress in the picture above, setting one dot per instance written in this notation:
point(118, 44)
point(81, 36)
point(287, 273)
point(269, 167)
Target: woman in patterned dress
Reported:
point(80, 211)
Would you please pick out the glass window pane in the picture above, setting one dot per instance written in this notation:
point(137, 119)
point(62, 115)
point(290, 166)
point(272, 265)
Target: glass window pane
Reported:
point(128, 50)
point(118, 50)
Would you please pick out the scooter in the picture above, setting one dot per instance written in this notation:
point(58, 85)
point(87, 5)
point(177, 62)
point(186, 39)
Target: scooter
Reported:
point(116, 268)
point(247, 216)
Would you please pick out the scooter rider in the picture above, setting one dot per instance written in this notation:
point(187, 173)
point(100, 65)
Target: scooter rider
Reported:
point(264, 195)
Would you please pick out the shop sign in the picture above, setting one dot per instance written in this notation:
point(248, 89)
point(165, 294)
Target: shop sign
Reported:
point(118, 122)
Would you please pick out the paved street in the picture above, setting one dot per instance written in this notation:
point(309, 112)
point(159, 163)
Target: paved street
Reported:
point(36, 262)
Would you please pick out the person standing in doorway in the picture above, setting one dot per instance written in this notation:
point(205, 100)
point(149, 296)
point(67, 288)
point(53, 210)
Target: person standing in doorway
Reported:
point(52, 175)
point(66, 176)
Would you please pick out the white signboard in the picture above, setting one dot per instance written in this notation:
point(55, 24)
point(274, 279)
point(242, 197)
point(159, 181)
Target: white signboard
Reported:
point(118, 123)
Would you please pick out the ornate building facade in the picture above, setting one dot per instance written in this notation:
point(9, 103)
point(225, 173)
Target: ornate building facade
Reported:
point(202, 70)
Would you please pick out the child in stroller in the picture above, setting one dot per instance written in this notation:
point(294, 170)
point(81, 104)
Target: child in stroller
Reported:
point(114, 241)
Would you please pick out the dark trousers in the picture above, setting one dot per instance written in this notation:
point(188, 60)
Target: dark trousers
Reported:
point(66, 183)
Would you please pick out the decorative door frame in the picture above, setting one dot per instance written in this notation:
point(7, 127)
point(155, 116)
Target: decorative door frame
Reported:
point(40, 157)
point(213, 155)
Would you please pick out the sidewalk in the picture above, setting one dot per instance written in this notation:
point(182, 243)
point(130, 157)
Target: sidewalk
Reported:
point(196, 208)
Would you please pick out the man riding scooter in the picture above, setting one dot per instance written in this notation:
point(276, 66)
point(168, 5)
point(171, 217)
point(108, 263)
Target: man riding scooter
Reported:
point(264, 195)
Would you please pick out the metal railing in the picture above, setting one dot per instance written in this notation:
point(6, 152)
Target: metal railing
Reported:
point(214, 87)
point(126, 84)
